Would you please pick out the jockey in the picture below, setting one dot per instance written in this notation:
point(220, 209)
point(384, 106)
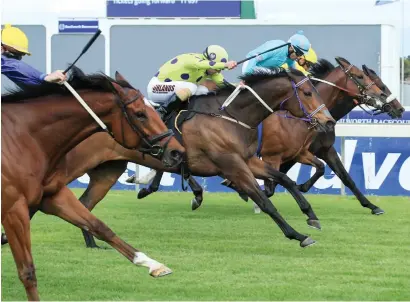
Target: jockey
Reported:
point(305, 62)
point(299, 46)
point(14, 45)
point(181, 77)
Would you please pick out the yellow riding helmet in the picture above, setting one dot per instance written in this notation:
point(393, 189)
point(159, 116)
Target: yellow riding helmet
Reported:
point(15, 38)
point(311, 56)
point(300, 68)
point(216, 53)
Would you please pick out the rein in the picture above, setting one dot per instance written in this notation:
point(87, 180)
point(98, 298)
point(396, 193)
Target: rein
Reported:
point(308, 117)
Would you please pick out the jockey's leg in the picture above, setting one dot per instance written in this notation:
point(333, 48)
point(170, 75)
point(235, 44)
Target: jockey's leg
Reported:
point(169, 94)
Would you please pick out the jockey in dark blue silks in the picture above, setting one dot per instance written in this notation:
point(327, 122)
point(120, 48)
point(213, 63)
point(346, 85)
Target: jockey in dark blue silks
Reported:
point(14, 45)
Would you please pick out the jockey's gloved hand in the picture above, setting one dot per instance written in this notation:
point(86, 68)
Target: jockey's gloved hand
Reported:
point(231, 64)
point(56, 77)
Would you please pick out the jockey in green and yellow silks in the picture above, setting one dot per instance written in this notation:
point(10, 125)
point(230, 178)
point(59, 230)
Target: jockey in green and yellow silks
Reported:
point(179, 78)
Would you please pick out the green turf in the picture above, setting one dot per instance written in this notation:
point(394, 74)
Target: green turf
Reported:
point(224, 252)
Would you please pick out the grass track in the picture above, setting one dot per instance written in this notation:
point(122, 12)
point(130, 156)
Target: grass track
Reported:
point(224, 252)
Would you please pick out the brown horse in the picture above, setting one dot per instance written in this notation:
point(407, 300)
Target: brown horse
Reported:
point(288, 140)
point(321, 145)
point(218, 147)
point(39, 126)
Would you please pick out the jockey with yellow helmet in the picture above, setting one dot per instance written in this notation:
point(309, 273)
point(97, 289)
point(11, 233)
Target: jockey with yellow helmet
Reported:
point(180, 78)
point(299, 46)
point(14, 45)
point(304, 62)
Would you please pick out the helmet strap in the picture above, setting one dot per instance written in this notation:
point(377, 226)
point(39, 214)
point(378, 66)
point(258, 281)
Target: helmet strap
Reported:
point(11, 55)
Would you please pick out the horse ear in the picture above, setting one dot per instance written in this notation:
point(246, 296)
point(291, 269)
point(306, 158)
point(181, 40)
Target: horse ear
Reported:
point(119, 77)
point(365, 69)
point(118, 89)
point(339, 61)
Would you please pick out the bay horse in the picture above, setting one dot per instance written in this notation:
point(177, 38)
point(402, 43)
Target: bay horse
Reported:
point(40, 124)
point(217, 147)
point(287, 140)
point(322, 144)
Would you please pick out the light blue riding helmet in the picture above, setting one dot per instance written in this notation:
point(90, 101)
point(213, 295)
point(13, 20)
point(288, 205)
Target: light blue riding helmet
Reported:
point(300, 42)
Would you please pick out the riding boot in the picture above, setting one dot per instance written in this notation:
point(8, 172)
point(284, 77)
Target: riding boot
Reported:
point(169, 106)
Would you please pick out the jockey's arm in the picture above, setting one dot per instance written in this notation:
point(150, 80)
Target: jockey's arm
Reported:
point(204, 64)
point(20, 72)
point(218, 78)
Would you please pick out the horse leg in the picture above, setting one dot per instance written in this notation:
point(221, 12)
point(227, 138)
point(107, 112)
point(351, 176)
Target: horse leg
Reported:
point(270, 185)
point(236, 170)
point(3, 235)
point(66, 206)
point(16, 223)
point(262, 170)
point(153, 187)
point(198, 192)
point(308, 158)
point(229, 184)
point(332, 159)
point(102, 178)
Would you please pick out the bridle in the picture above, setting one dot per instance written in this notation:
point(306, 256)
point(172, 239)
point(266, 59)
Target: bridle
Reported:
point(308, 117)
point(151, 145)
point(362, 97)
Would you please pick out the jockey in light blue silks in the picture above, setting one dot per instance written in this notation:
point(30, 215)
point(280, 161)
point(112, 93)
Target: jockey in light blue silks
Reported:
point(299, 46)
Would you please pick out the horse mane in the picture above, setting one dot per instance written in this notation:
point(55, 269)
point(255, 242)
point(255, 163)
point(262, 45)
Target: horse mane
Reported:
point(261, 74)
point(321, 69)
point(77, 79)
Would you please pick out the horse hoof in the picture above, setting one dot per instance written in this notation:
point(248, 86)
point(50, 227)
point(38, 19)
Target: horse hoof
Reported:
point(244, 196)
point(161, 272)
point(307, 242)
point(314, 224)
point(377, 211)
point(195, 204)
point(4, 239)
point(143, 193)
point(226, 182)
point(268, 193)
point(130, 179)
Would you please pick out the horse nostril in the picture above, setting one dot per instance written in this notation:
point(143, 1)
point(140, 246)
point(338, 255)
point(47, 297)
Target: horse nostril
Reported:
point(175, 154)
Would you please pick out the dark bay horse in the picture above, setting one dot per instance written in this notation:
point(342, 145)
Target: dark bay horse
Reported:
point(288, 140)
point(277, 149)
point(217, 147)
point(40, 124)
point(321, 145)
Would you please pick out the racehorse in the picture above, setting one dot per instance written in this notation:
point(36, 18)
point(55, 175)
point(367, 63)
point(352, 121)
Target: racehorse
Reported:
point(322, 145)
point(288, 140)
point(218, 147)
point(40, 124)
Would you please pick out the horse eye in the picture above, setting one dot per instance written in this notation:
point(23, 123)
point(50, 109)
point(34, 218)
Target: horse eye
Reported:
point(360, 77)
point(308, 93)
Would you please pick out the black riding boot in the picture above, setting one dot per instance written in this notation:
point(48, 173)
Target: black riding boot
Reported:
point(169, 106)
